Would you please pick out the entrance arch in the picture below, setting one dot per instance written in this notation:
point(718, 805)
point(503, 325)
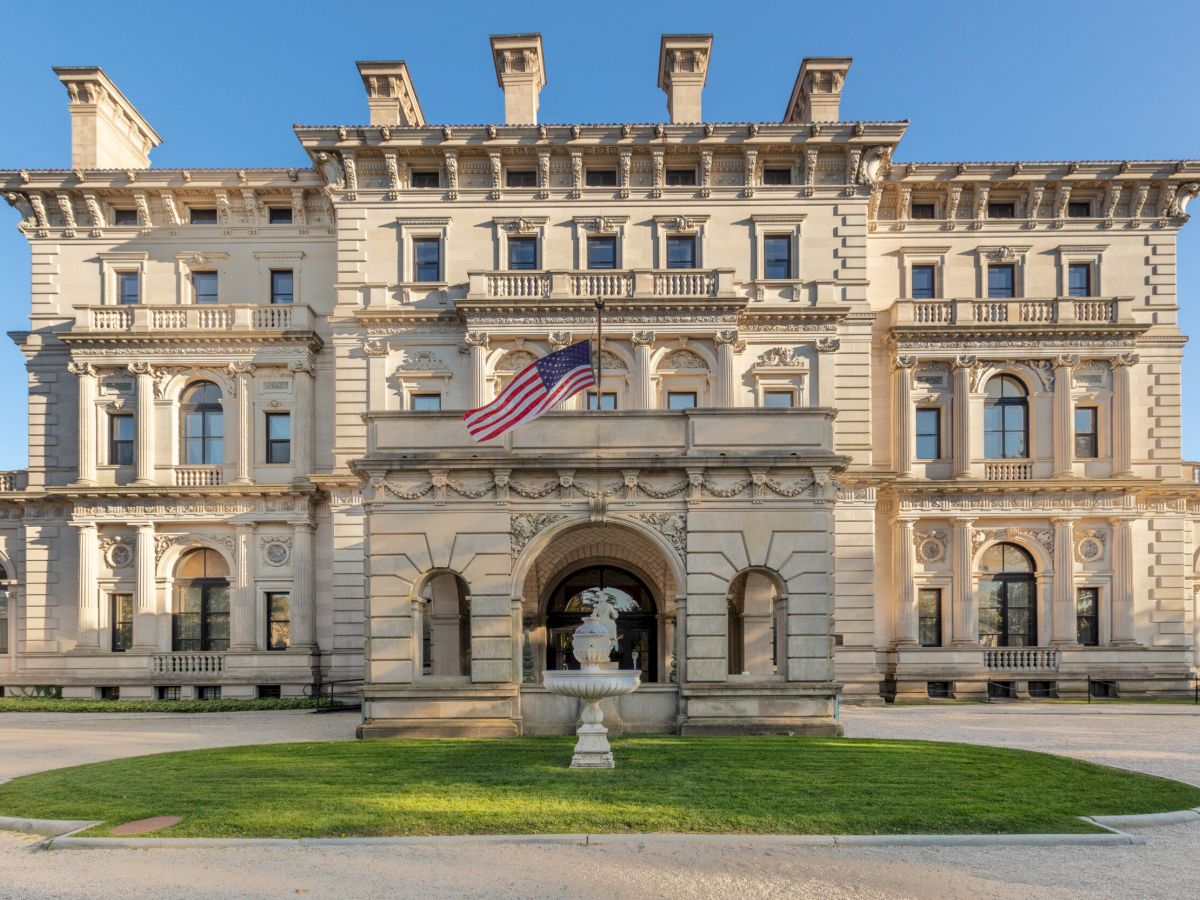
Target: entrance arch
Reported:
point(1007, 597)
point(637, 629)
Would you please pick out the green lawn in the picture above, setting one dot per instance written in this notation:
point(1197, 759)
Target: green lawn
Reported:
point(662, 783)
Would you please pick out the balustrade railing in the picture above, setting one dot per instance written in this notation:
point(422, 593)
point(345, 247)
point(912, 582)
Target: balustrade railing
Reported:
point(197, 476)
point(220, 317)
point(187, 664)
point(1021, 659)
point(684, 283)
point(602, 284)
point(518, 284)
point(13, 480)
point(586, 283)
point(1001, 312)
point(1008, 471)
point(933, 312)
point(1100, 311)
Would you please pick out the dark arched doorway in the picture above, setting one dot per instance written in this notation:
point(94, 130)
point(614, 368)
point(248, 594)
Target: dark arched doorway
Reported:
point(1007, 597)
point(637, 631)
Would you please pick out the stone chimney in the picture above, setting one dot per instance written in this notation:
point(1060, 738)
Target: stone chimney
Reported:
point(817, 93)
point(521, 74)
point(682, 72)
point(391, 97)
point(107, 132)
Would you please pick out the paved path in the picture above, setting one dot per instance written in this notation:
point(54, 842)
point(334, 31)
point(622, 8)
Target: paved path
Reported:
point(1157, 739)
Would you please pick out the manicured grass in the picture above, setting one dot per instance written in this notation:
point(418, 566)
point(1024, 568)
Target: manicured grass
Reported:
point(661, 784)
point(48, 704)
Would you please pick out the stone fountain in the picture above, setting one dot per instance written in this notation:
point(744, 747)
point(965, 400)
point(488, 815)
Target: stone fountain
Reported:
point(596, 679)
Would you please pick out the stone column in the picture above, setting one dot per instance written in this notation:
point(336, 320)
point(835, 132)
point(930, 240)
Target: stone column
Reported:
point(826, 359)
point(906, 592)
point(303, 609)
point(302, 419)
point(643, 345)
point(518, 641)
point(1062, 620)
point(727, 345)
point(243, 619)
point(905, 414)
point(1123, 628)
point(477, 346)
point(964, 614)
point(145, 601)
point(88, 639)
point(144, 456)
point(680, 647)
point(962, 416)
point(1122, 414)
point(376, 354)
point(242, 373)
point(87, 421)
point(1064, 410)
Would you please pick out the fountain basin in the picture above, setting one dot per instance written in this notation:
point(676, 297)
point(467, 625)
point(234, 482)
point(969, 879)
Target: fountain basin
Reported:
point(591, 685)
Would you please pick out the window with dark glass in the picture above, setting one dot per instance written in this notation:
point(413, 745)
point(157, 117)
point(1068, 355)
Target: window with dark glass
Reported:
point(681, 400)
point(1079, 209)
point(681, 252)
point(120, 439)
point(929, 616)
point(522, 253)
point(279, 620)
point(1002, 281)
point(1007, 598)
point(1087, 616)
point(1005, 419)
point(607, 400)
point(201, 620)
point(425, 178)
point(779, 399)
point(204, 287)
point(637, 626)
point(121, 617)
point(128, 288)
point(923, 281)
point(1079, 280)
point(929, 433)
point(279, 215)
point(1002, 210)
point(203, 431)
point(282, 281)
point(777, 175)
point(1087, 438)
point(681, 177)
point(426, 402)
point(602, 252)
point(777, 256)
point(601, 178)
point(279, 438)
point(520, 178)
point(427, 259)
point(922, 211)
point(3, 614)
point(203, 216)
point(125, 217)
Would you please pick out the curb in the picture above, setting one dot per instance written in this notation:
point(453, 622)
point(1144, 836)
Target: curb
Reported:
point(51, 828)
point(1147, 820)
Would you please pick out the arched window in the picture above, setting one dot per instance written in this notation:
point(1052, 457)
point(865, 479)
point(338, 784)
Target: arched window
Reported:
point(1005, 419)
point(201, 617)
point(753, 626)
point(1007, 597)
point(446, 627)
point(203, 425)
point(637, 630)
point(3, 611)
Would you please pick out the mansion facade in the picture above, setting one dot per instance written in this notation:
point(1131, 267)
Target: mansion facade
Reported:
point(865, 429)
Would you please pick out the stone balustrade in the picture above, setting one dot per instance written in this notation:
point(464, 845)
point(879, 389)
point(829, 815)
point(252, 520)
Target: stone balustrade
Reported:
point(193, 318)
point(1008, 470)
point(1014, 311)
point(13, 480)
point(184, 664)
point(1021, 659)
point(588, 283)
point(198, 476)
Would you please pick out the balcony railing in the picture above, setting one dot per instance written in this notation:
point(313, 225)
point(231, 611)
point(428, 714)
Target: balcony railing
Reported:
point(187, 664)
point(13, 480)
point(1194, 469)
point(1021, 659)
point(1010, 470)
point(197, 476)
point(217, 317)
point(586, 283)
point(1014, 312)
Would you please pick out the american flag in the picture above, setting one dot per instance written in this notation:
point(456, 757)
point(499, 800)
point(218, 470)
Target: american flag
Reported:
point(538, 388)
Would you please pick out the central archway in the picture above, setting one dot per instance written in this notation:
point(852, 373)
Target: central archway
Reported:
point(637, 628)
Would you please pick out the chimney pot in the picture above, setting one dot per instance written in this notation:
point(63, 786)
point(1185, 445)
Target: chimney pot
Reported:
point(107, 131)
point(682, 73)
point(391, 97)
point(817, 93)
point(521, 74)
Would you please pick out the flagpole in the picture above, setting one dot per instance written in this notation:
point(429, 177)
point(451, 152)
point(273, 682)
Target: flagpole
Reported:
point(599, 352)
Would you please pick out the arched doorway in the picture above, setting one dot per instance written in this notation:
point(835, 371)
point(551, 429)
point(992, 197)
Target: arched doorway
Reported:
point(637, 631)
point(1007, 597)
point(201, 617)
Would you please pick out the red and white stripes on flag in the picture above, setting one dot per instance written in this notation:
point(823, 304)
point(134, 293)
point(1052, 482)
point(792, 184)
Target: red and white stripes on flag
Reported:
point(536, 389)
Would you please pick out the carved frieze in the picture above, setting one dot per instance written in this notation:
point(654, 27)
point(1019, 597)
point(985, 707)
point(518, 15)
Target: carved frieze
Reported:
point(526, 526)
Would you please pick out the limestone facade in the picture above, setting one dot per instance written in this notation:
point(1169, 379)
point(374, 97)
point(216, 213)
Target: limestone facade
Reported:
point(883, 429)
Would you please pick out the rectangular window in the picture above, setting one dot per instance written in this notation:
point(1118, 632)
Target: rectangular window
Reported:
point(279, 620)
point(922, 211)
point(607, 400)
point(1079, 280)
point(1002, 210)
point(208, 692)
point(681, 177)
point(279, 215)
point(681, 400)
point(773, 175)
point(125, 217)
point(268, 692)
point(202, 216)
point(601, 178)
point(168, 692)
point(520, 178)
point(929, 616)
point(427, 259)
point(924, 278)
point(129, 286)
point(1087, 443)
point(425, 178)
point(279, 438)
point(120, 439)
point(522, 253)
point(426, 402)
point(121, 616)
point(929, 433)
point(204, 286)
point(777, 256)
point(681, 252)
point(1087, 616)
point(1002, 281)
point(779, 399)
point(602, 252)
point(1079, 209)
point(282, 281)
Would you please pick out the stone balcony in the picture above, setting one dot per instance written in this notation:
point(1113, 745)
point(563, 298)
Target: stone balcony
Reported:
point(207, 319)
point(13, 480)
point(553, 284)
point(1015, 312)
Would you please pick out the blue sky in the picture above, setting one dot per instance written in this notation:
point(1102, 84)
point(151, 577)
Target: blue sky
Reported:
point(223, 83)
